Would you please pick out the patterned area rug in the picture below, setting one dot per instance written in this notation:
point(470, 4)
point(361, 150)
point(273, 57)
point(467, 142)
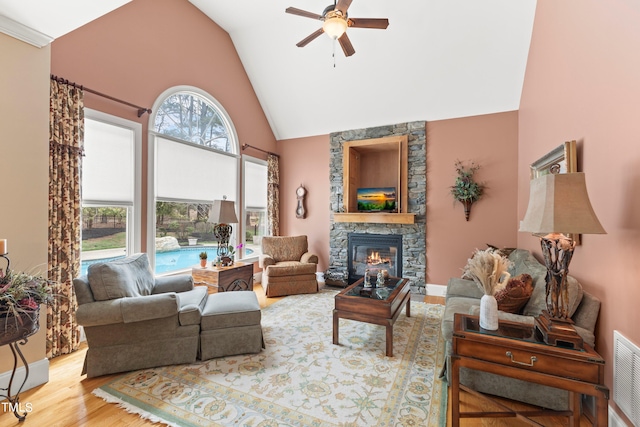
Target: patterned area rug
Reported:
point(301, 378)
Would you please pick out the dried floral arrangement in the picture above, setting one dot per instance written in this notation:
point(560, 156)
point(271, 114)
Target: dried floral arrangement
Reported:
point(465, 189)
point(23, 293)
point(488, 269)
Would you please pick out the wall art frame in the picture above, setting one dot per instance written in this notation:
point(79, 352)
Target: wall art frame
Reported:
point(562, 159)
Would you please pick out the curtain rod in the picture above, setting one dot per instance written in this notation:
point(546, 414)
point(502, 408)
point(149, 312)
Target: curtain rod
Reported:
point(244, 146)
point(141, 110)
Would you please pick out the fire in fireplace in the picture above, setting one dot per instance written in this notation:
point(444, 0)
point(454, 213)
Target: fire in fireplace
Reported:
point(374, 252)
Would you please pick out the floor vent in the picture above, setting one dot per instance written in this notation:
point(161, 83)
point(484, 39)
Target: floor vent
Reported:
point(626, 381)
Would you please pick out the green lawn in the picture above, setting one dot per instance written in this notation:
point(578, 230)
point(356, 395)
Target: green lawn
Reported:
point(108, 242)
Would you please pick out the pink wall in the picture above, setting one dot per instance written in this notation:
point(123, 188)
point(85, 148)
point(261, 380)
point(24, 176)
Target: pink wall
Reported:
point(582, 83)
point(139, 50)
point(306, 161)
point(492, 142)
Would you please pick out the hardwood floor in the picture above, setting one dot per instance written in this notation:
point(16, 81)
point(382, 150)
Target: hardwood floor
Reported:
point(66, 400)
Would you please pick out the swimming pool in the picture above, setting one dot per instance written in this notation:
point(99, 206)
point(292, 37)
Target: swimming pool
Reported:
point(166, 262)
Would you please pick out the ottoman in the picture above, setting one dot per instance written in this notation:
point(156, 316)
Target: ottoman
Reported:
point(230, 324)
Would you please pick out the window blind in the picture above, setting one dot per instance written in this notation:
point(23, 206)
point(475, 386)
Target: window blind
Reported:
point(108, 165)
point(188, 172)
point(255, 185)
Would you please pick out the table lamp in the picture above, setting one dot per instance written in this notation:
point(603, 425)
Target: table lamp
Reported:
point(222, 213)
point(558, 206)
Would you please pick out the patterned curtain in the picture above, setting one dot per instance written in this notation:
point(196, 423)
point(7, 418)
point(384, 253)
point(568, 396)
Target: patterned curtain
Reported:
point(66, 139)
point(273, 194)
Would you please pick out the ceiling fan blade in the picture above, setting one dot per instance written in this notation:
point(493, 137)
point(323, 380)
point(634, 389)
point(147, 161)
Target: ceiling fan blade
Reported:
point(378, 23)
point(300, 12)
point(346, 45)
point(309, 38)
point(343, 5)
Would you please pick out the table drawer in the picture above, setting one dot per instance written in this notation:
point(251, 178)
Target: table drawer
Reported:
point(578, 367)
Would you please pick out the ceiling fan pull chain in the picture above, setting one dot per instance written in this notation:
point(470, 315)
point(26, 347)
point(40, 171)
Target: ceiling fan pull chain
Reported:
point(334, 53)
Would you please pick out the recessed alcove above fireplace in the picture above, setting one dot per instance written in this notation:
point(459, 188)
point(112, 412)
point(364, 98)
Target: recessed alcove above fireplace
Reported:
point(411, 252)
point(375, 163)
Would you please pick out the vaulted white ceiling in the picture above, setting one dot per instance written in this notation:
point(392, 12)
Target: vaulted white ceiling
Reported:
point(438, 59)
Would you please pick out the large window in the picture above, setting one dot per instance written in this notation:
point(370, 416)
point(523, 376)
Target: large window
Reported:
point(255, 204)
point(193, 160)
point(110, 188)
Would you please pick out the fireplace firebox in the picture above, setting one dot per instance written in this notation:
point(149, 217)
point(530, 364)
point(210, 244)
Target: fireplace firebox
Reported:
point(374, 252)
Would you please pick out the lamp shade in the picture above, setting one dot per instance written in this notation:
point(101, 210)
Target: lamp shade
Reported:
point(335, 26)
point(223, 212)
point(559, 203)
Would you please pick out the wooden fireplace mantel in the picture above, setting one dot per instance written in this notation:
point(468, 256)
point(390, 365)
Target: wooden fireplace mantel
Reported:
point(375, 218)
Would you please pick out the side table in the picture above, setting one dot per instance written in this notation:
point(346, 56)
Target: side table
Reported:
point(236, 277)
point(516, 350)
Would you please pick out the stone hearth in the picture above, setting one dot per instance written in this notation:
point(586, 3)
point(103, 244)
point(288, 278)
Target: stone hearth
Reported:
point(413, 235)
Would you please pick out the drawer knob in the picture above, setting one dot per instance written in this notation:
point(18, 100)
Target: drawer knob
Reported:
point(533, 360)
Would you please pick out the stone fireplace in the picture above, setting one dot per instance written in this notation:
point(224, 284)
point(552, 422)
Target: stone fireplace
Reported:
point(411, 252)
point(374, 252)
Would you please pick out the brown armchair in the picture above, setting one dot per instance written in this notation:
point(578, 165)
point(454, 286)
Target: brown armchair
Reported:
point(288, 267)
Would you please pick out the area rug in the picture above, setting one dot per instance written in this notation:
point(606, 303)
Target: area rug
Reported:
point(301, 378)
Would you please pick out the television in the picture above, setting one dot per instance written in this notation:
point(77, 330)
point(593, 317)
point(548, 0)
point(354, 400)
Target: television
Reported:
point(376, 199)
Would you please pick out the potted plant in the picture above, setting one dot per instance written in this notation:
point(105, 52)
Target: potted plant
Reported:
point(203, 259)
point(465, 190)
point(20, 297)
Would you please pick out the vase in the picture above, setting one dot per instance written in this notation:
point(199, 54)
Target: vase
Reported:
point(203, 263)
point(489, 312)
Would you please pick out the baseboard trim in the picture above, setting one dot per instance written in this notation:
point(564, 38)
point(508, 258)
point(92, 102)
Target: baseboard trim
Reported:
point(436, 290)
point(38, 375)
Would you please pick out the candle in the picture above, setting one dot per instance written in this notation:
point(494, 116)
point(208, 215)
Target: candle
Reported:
point(3, 246)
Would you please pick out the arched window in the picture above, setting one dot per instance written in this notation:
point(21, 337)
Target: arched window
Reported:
point(190, 117)
point(193, 160)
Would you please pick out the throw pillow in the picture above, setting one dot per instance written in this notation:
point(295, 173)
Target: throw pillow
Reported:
point(125, 277)
point(515, 294)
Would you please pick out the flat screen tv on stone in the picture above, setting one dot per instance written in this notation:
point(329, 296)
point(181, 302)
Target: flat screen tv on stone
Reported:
point(377, 199)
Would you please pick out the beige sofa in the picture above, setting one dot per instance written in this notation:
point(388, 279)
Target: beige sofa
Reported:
point(463, 296)
point(288, 267)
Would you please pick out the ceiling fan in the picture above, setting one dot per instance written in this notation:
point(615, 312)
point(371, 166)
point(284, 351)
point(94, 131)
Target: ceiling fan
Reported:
point(335, 24)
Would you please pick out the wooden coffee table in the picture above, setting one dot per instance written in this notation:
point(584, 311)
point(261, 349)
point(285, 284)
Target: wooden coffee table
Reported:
point(380, 306)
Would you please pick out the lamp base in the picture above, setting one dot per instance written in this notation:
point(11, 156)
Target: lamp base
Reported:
point(558, 332)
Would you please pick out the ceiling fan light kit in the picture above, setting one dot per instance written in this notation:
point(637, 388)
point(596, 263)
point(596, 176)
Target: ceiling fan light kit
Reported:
point(335, 24)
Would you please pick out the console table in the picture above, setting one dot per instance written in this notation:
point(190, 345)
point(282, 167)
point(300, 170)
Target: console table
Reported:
point(516, 350)
point(236, 277)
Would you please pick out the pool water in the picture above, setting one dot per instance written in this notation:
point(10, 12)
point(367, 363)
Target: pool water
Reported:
point(166, 262)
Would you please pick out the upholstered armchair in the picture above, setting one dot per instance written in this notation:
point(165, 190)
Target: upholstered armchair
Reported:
point(287, 266)
point(133, 320)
